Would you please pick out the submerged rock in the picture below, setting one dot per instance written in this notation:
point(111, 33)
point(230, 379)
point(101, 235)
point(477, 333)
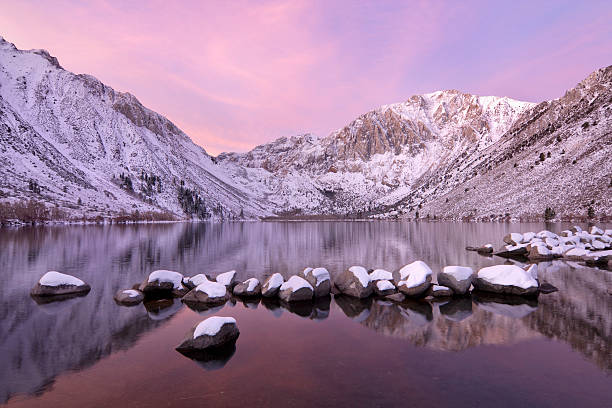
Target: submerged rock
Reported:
point(355, 282)
point(128, 297)
point(296, 289)
point(483, 250)
point(458, 278)
point(413, 279)
point(55, 283)
point(211, 333)
point(506, 279)
point(164, 282)
point(250, 287)
point(272, 285)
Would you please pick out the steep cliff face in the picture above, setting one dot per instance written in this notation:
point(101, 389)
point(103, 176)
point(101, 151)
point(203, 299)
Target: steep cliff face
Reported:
point(79, 139)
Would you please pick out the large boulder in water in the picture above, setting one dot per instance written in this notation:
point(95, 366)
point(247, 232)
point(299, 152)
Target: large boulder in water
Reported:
point(319, 279)
point(380, 274)
point(128, 297)
point(506, 279)
point(214, 332)
point(458, 278)
point(207, 292)
point(296, 289)
point(272, 285)
point(55, 283)
point(164, 282)
point(413, 279)
point(250, 287)
point(355, 282)
point(196, 280)
point(514, 238)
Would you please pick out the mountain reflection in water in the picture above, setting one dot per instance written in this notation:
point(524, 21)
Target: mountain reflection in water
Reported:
point(39, 342)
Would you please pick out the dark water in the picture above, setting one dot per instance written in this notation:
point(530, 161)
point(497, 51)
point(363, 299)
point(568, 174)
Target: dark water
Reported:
point(480, 352)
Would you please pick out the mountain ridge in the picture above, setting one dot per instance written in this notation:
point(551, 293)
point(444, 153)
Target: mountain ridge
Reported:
point(76, 144)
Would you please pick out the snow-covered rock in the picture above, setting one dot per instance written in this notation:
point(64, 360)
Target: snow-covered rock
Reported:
point(506, 279)
point(55, 283)
point(272, 285)
point(164, 282)
point(250, 287)
point(128, 297)
point(228, 279)
point(514, 238)
point(296, 289)
point(596, 230)
point(380, 274)
point(440, 291)
point(384, 287)
point(540, 252)
point(458, 278)
point(196, 280)
point(214, 332)
point(355, 282)
point(576, 254)
point(207, 292)
point(319, 279)
point(413, 279)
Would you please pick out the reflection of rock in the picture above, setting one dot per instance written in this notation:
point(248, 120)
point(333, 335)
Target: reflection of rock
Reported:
point(58, 304)
point(212, 359)
point(457, 309)
point(418, 313)
point(321, 307)
point(273, 304)
point(161, 309)
point(505, 305)
point(354, 308)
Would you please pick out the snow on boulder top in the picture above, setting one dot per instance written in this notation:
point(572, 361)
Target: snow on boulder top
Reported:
point(577, 252)
point(508, 275)
point(459, 272)
point(211, 326)
point(320, 274)
point(596, 231)
point(307, 270)
point(252, 283)
point(380, 274)
point(438, 288)
point(212, 289)
point(53, 278)
point(198, 279)
point(528, 236)
point(546, 234)
point(275, 281)
point(533, 271)
point(167, 276)
point(226, 278)
point(414, 274)
point(384, 284)
point(296, 283)
point(131, 292)
point(361, 274)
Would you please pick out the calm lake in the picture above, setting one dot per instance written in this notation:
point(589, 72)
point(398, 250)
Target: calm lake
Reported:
point(469, 352)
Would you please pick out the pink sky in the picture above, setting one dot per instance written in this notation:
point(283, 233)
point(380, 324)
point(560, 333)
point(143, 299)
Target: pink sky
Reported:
point(235, 74)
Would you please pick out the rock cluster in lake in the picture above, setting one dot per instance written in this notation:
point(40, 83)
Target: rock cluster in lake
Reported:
point(594, 247)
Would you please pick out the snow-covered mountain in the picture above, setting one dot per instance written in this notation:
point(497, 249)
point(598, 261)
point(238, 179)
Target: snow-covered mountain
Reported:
point(448, 155)
point(72, 141)
point(76, 144)
point(378, 159)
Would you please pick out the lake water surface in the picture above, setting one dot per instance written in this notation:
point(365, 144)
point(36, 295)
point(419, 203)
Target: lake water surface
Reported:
point(474, 352)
